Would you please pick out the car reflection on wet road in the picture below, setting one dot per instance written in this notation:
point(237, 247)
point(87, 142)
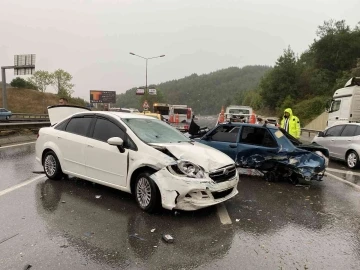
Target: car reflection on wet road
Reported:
point(66, 225)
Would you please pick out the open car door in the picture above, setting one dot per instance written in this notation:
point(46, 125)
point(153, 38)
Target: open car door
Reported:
point(60, 112)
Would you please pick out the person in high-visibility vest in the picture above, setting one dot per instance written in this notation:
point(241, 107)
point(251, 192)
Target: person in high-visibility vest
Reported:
point(291, 123)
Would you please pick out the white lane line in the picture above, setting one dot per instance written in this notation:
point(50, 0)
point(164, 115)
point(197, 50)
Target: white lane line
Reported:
point(344, 181)
point(14, 145)
point(342, 171)
point(223, 214)
point(10, 189)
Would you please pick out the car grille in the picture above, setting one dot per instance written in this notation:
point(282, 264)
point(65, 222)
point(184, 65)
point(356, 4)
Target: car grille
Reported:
point(221, 194)
point(223, 174)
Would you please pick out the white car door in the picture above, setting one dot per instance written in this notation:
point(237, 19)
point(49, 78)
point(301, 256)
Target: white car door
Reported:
point(104, 162)
point(345, 140)
point(72, 143)
point(330, 140)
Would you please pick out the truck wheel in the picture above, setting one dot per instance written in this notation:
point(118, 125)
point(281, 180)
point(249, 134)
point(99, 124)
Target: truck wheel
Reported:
point(352, 160)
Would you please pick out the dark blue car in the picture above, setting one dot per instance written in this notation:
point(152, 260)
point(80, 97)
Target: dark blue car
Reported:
point(270, 150)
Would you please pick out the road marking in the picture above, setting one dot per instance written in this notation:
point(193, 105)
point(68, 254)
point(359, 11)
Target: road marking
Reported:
point(14, 145)
point(343, 171)
point(223, 214)
point(10, 189)
point(344, 181)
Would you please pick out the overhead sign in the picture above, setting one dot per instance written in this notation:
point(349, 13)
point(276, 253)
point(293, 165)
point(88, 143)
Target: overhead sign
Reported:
point(145, 105)
point(24, 64)
point(140, 91)
point(152, 92)
point(97, 96)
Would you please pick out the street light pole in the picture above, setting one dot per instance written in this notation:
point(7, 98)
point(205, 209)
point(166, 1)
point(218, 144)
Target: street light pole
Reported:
point(146, 59)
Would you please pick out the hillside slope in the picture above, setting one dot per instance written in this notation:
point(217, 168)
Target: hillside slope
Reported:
point(32, 101)
point(205, 93)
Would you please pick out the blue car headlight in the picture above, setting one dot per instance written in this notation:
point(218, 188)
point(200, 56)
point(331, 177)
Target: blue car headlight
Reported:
point(183, 167)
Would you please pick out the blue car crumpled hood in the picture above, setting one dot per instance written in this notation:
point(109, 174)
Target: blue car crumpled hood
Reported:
point(303, 163)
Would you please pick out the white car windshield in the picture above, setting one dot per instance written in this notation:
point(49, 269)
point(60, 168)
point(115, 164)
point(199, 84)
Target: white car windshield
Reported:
point(239, 111)
point(154, 131)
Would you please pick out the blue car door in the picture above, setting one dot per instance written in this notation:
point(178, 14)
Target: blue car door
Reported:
point(256, 140)
point(224, 138)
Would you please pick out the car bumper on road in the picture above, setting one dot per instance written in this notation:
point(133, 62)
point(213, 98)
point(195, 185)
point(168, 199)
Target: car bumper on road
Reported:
point(190, 194)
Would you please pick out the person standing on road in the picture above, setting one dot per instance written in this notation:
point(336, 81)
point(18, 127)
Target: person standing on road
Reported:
point(291, 123)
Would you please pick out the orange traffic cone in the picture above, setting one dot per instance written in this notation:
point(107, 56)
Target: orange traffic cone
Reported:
point(171, 118)
point(177, 118)
point(252, 119)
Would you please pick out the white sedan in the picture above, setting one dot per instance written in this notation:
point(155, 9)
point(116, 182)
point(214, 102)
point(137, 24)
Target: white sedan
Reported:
point(136, 154)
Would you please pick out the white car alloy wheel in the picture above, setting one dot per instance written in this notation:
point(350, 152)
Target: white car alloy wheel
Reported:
point(352, 159)
point(50, 165)
point(143, 192)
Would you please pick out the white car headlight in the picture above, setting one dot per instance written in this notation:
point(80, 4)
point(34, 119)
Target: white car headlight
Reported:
point(187, 168)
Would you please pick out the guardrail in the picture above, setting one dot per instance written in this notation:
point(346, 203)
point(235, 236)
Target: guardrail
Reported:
point(310, 131)
point(28, 117)
point(28, 125)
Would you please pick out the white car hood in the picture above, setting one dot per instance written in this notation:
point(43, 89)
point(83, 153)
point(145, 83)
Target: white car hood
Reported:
point(207, 157)
point(60, 112)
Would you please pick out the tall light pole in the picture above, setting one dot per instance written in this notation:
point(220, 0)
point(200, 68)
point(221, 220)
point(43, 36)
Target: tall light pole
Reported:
point(147, 58)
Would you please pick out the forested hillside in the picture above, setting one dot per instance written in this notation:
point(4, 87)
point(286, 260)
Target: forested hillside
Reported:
point(307, 82)
point(205, 93)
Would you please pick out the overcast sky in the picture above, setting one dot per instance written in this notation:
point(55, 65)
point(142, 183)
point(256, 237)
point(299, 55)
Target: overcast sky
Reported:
point(92, 39)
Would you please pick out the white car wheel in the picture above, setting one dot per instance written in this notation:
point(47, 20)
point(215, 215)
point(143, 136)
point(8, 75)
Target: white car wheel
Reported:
point(352, 159)
point(52, 166)
point(147, 194)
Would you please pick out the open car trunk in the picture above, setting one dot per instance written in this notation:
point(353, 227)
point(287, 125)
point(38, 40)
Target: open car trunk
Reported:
point(60, 112)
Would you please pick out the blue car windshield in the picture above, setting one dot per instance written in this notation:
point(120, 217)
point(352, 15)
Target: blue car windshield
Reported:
point(284, 143)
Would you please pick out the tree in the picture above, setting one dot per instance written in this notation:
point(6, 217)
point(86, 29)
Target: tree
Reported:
point(62, 83)
point(21, 83)
point(41, 79)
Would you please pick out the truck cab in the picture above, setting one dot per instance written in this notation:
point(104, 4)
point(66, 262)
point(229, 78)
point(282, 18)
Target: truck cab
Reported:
point(345, 104)
point(238, 113)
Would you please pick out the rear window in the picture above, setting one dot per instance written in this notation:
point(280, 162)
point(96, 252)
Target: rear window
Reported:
point(239, 111)
point(163, 110)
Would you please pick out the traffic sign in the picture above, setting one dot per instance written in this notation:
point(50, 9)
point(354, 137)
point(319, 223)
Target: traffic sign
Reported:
point(145, 105)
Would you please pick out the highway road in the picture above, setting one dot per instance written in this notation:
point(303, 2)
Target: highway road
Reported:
point(66, 225)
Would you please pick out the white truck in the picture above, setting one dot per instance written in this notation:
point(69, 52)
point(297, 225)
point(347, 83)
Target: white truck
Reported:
point(179, 116)
point(345, 104)
point(238, 113)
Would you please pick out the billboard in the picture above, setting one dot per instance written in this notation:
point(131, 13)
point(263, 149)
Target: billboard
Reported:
point(24, 64)
point(152, 92)
point(98, 96)
point(140, 91)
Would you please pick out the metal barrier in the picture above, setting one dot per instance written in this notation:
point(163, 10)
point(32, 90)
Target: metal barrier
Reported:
point(28, 125)
point(28, 117)
point(310, 131)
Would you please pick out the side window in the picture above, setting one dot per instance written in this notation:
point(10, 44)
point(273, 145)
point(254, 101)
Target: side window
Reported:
point(335, 105)
point(105, 130)
point(62, 125)
point(257, 136)
point(334, 131)
point(225, 133)
point(349, 131)
point(357, 132)
point(79, 126)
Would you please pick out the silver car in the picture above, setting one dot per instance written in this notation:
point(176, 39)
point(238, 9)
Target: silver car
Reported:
point(343, 142)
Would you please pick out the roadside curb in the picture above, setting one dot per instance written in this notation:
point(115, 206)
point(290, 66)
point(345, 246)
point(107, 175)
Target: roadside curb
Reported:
point(8, 140)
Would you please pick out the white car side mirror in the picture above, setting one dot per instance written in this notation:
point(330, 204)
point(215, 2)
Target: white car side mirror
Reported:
point(115, 141)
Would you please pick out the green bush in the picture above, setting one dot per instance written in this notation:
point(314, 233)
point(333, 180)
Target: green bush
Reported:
point(308, 110)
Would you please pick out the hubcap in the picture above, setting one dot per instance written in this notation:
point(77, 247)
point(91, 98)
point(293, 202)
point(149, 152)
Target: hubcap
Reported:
point(50, 165)
point(143, 192)
point(352, 160)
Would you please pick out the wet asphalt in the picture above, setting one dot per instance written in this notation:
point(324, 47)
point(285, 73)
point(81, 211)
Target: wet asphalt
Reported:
point(66, 225)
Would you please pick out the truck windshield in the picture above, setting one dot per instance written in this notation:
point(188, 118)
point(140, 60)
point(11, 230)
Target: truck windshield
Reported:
point(163, 110)
point(239, 111)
